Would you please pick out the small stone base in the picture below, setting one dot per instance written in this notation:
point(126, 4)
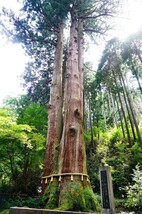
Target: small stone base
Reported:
point(23, 210)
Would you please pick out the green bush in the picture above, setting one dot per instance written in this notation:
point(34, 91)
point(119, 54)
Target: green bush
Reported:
point(134, 192)
point(119, 203)
point(35, 202)
point(5, 212)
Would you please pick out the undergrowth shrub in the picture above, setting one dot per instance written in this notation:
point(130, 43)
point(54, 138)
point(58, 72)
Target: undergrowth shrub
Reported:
point(134, 192)
point(32, 202)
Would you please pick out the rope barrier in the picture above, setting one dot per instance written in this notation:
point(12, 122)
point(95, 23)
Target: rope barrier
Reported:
point(64, 174)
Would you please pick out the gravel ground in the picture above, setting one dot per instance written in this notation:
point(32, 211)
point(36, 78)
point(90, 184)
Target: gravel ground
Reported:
point(124, 212)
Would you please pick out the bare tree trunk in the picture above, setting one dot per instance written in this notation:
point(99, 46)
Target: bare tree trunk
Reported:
point(127, 106)
point(121, 120)
point(130, 116)
point(126, 124)
point(90, 119)
point(72, 155)
point(109, 100)
point(137, 77)
point(132, 111)
point(122, 109)
point(85, 119)
point(12, 167)
point(103, 111)
point(80, 63)
point(54, 112)
point(114, 110)
point(68, 186)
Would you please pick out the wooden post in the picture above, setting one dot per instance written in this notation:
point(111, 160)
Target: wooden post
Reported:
point(107, 197)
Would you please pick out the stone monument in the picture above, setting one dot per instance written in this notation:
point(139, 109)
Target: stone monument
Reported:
point(107, 197)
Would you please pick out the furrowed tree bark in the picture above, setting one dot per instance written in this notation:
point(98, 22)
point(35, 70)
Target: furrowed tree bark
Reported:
point(72, 156)
point(54, 112)
point(69, 187)
point(80, 63)
point(65, 174)
point(72, 165)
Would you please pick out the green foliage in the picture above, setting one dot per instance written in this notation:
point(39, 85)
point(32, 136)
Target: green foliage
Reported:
point(27, 112)
point(5, 212)
point(35, 115)
point(92, 201)
point(87, 136)
point(116, 136)
point(51, 195)
point(134, 191)
point(119, 203)
point(111, 149)
point(120, 102)
point(21, 149)
point(19, 201)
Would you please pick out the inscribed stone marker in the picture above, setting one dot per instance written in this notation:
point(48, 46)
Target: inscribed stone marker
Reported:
point(107, 196)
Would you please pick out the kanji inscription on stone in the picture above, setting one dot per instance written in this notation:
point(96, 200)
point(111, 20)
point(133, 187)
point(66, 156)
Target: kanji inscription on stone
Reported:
point(105, 194)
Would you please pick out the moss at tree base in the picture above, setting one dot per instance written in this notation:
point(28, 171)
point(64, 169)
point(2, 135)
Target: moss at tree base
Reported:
point(71, 196)
point(51, 195)
point(5, 212)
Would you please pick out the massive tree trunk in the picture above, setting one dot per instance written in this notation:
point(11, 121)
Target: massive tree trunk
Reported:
point(68, 186)
point(80, 63)
point(72, 159)
point(54, 113)
point(71, 145)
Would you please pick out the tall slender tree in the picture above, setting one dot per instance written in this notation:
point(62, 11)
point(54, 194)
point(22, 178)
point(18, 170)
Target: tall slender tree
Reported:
point(112, 65)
